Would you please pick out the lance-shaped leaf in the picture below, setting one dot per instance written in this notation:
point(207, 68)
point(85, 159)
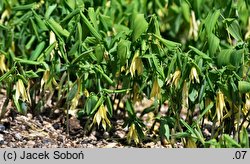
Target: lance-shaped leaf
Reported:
point(211, 21)
point(234, 29)
point(35, 54)
point(244, 141)
point(224, 57)
point(57, 28)
point(213, 42)
point(90, 27)
point(244, 86)
point(99, 52)
point(139, 25)
point(122, 51)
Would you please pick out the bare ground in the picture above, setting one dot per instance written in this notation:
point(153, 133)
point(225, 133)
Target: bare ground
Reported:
point(49, 131)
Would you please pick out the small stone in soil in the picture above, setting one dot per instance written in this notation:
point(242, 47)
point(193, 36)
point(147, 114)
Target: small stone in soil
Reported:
point(30, 144)
point(18, 136)
point(29, 115)
point(61, 138)
point(11, 144)
point(1, 139)
point(2, 128)
point(56, 125)
point(92, 137)
point(106, 135)
point(23, 127)
point(120, 134)
point(46, 141)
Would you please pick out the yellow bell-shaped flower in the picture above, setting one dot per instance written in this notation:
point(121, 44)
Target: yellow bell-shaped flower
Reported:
point(156, 90)
point(132, 134)
point(136, 65)
point(101, 117)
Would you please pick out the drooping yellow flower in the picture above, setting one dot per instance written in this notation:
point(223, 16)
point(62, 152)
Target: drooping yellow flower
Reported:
point(220, 104)
point(193, 76)
point(191, 143)
point(86, 92)
point(176, 77)
point(185, 95)
point(132, 134)
point(247, 35)
point(101, 116)
point(156, 90)
point(136, 65)
point(45, 78)
point(246, 107)
point(194, 27)
point(5, 15)
point(21, 91)
point(3, 67)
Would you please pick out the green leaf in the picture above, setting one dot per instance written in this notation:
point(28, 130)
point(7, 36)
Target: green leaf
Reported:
point(48, 50)
point(18, 107)
point(154, 26)
point(26, 61)
point(98, 104)
point(123, 48)
point(208, 108)
point(158, 66)
point(7, 74)
point(109, 106)
point(72, 93)
point(71, 3)
point(185, 10)
point(31, 41)
point(224, 57)
point(57, 28)
point(99, 52)
point(40, 23)
point(244, 140)
point(172, 65)
point(50, 10)
point(35, 54)
point(148, 110)
point(31, 74)
point(164, 130)
point(200, 53)
point(24, 7)
point(90, 103)
point(236, 58)
point(199, 136)
point(156, 63)
point(225, 89)
point(213, 42)
point(212, 144)
point(91, 28)
point(106, 21)
point(244, 87)
point(234, 29)
point(70, 15)
point(230, 142)
point(211, 21)
point(191, 130)
point(193, 95)
point(139, 26)
point(130, 109)
point(106, 77)
point(92, 17)
point(169, 44)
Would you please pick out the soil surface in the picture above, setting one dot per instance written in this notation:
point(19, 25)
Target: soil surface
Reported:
point(49, 131)
point(43, 132)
